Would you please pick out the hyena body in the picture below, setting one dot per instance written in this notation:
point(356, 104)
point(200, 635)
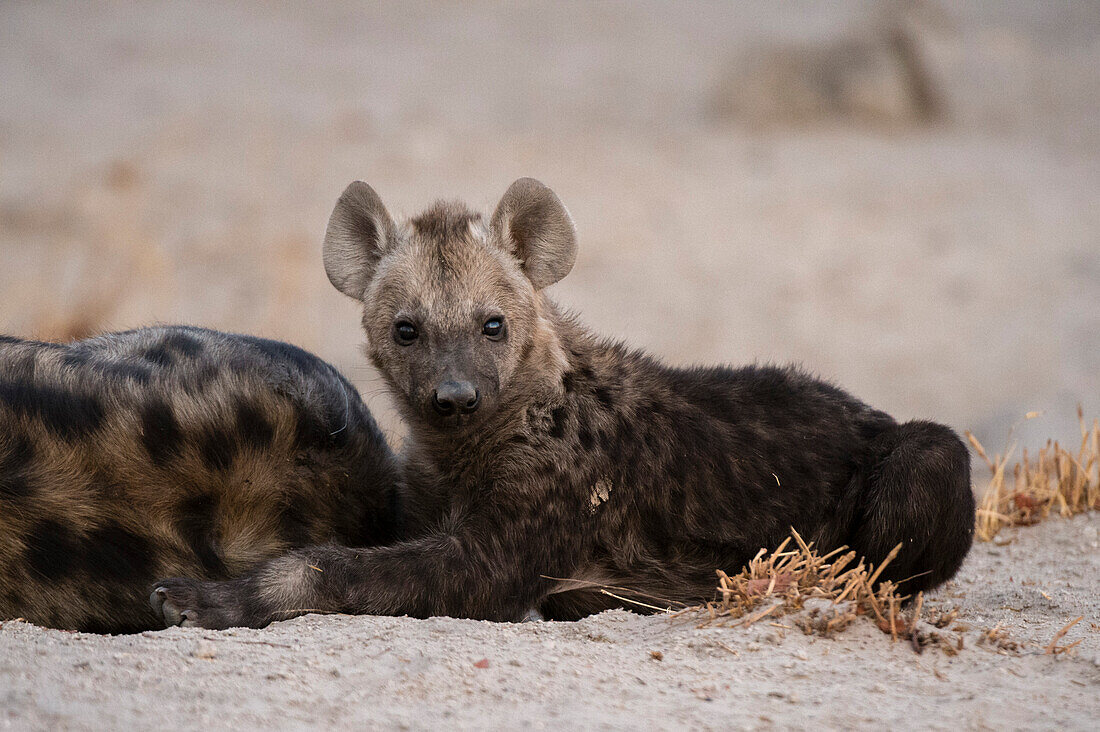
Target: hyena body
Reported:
point(170, 450)
point(545, 463)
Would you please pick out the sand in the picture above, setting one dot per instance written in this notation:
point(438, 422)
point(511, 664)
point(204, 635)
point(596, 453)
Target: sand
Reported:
point(176, 162)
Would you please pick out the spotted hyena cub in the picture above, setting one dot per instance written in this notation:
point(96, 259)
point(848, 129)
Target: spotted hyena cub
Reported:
point(172, 451)
point(544, 461)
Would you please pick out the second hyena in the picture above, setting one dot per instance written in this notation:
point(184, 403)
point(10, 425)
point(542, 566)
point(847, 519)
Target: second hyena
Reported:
point(545, 463)
point(172, 450)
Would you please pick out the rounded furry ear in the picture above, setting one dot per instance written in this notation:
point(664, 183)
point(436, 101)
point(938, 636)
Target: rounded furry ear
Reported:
point(532, 224)
point(359, 231)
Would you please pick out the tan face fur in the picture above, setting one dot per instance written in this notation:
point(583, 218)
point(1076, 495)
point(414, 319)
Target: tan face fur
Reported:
point(451, 303)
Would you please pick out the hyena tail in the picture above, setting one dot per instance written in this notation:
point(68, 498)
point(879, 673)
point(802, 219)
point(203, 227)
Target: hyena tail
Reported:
point(915, 491)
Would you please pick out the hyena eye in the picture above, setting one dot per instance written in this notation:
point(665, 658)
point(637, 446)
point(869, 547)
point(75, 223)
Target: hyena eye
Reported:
point(404, 332)
point(494, 328)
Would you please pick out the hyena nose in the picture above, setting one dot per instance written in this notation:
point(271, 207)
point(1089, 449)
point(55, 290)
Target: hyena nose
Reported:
point(456, 396)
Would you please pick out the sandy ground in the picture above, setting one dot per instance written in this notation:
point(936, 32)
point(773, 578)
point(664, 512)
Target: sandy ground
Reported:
point(370, 672)
point(176, 162)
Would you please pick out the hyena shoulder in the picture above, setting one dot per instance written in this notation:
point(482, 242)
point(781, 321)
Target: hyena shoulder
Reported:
point(168, 449)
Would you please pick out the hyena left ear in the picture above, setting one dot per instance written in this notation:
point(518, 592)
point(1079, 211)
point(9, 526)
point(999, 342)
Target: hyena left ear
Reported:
point(359, 232)
point(532, 224)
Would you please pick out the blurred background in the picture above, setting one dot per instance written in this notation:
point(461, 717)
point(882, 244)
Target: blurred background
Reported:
point(902, 196)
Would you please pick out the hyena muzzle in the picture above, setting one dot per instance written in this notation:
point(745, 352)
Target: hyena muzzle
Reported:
point(172, 450)
point(545, 463)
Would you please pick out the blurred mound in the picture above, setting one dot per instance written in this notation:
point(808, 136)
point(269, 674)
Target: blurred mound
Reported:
point(875, 74)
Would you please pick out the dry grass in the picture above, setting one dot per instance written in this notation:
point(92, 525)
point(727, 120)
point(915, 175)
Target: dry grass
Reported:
point(1054, 481)
point(1054, 648)
point(827, 592)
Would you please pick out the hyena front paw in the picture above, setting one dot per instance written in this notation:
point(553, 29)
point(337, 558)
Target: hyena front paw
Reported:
point(191, 603)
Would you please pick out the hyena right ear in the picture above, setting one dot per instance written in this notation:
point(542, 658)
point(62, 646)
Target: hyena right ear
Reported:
point(532, 224)
point(359, 231)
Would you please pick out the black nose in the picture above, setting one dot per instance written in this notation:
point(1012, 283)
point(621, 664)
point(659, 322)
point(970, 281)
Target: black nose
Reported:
point(456, 396)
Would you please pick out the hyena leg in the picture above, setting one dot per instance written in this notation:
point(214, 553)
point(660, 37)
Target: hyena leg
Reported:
point(433, 575)
point(323, 579)
point(916, 492)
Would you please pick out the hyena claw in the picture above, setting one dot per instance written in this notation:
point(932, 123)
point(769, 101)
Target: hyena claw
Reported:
point(158, 600)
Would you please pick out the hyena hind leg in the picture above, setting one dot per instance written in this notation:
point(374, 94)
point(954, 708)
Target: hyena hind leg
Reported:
point(916, 492)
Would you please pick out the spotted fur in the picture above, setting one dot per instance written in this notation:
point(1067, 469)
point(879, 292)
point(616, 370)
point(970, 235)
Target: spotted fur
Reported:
point(583, 463)
point(172, 450)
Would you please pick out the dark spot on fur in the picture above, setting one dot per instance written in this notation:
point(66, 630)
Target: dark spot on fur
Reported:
point(294, 521)
point(16, 459)
point(75, 358)
point(166, 352)
point(603, 395)
point(218, 448)
point(160, 432)
point(169, 349)
point(550, 468)
point(22, 369)
point(584, 434)
point(197, 524)
point(309, 430)
point(106, 485)
point(14, 487)
point(132, 371)
point(9, 339)
point(52, 550)
point(200, 378)
point(558, 420)
point(253, 426)
point(112, 552)
point(281, 352)
point(159, 355)
point(67, 414)
point(121, 369)
point(183, 344)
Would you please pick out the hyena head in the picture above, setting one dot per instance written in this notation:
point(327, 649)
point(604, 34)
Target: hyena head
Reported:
point(451, 304)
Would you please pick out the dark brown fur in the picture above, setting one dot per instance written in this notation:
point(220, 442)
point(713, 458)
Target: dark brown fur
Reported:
point(579, 462)
point(177, 450)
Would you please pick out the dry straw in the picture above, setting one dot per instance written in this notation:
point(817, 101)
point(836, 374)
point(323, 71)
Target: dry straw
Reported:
point(789, 580)
point(1054, 481)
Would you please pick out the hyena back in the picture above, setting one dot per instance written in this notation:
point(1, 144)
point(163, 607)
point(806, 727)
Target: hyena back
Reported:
point(172, 450)
point(545, 464)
